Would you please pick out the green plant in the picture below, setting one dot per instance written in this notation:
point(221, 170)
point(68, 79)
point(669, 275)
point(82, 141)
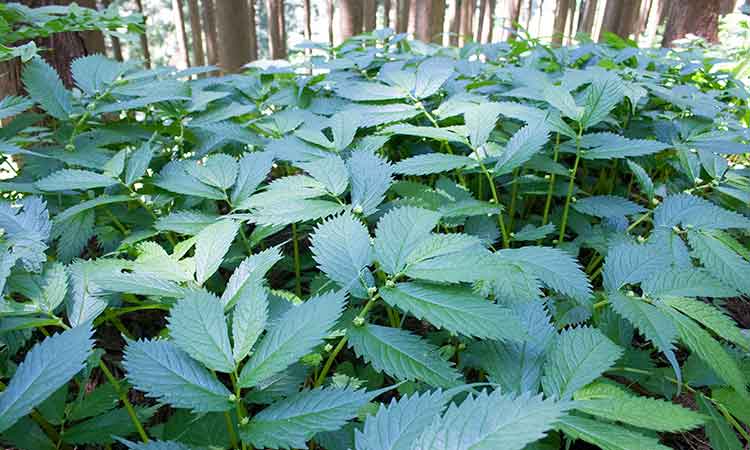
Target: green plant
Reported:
point(412, 248)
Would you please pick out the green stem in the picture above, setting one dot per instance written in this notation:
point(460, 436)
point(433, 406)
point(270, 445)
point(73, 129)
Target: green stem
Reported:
point(297, 265)
point(241, 416)
point(551, 188)
point(571, 184)
point(230, 430)
point(124, 397)
point(513, 197)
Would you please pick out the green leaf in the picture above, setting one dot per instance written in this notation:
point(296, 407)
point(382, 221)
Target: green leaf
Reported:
point(492, 421)
point(710, 317)
point(295, 211)
point(175, 177)
point(330, 171)
point(11, 105)
point(368, 91)
point(629, 263)
point(218, 170)
point(402, 355)
point(85, 300)
point(438, 134)
point(560, 98)
point(45, 88)
point(579, 357)
point(155, 445)
point(430, 163)
point(690, 211)
point(102, 428)
point(481, 120)
point(249, 319)
point(292, 336)
point(610, 145)
point(138, 163)
point(55, 287)
point(250, 272)
point(163, 371)
point(72, 179)
point(211, 245)
point(399, 232)
point(720, 261)
point(644, 180)
point(607, 206)
point(47, 366)
point(456, 309)
point(524, 144)
point(397, 425)
point(100, 400)
point(606, 435)
point(371, 176)
point(89, 204)
point(652, 323)
point(450, 258)
point(198, 327)
point(719, 432)
point(94, 73)
point(688, 282)
point(432, 73)
point(252, 170)
point(601, 98)
point(341, 247)
point(291, 422)
point(185, 222)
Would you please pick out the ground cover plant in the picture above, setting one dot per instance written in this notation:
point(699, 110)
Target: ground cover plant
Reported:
point(396, 246)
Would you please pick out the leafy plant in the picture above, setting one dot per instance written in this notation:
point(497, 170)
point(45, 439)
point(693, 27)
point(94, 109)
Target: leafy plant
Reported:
point(412, 247)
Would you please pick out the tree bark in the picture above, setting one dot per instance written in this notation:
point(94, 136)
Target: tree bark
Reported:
point(144, 36)
point(561, 17)
point(329, 11)
point(413, 13)
point(402, 16)
point(588, 16)
point(612, 17)
point(643, 14)
point(386, 13)
point(369, 11)
point(179, 25)
point(196, 32)
point(93, 40)
point(454, 24)
point(233, 34)
point(570, 21)
point(438, 21)
point(116, 44)
point(209, 28)
point(252, 30)
point(699, 18)
point(513, 13)
point(276, 29)
point(467, 21)
point(423, 20)
point(308, 19)
point(350, 17)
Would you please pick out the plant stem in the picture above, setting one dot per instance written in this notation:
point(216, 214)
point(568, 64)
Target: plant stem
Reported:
point(230, 430)
point(513, 198)
point(241, 416)
point(551, 188)
point(124, 397)
point(571, 184)
point(297, 266)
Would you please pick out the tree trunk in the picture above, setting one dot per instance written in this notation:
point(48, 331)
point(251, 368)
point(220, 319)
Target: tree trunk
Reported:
point(423, 20)
point(276, 31)
point(350, 17)
point(699, 18)
point(530, 13)
point(454, 23)
point(588, 16)
point(308, 19)
point(613, 15)
point(570, 21)
point(209, 27)
point(513, 12)
point(252, 30)
point(467, 20)
point(402, 16)
point(561, 18)
point(438, 21)
point(93, 40)
point(116, 44)
point(643, 15)
point(369, 11)
point(413, 13)
point(386, 13)
point(233, 34)
point(144, 36)
point(179, 26)
point(196, 32)
point(329, 11)
point(483, 5)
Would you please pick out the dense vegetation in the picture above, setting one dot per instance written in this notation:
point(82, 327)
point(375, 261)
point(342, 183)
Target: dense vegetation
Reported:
point(402, 246)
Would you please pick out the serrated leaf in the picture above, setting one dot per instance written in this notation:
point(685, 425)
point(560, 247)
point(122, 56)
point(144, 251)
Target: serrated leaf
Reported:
point(710, 317)
point(607, 206)
point(294, 335)
point(291, 422)
point(155, 445)
point(523, 145)
point(330, 171)
point(252, 170)
point(456, 309)
point(430, 163)
point(579, 356)
point(402, 355)
point(248, 319)
point(720, 261)
point(89, 204)
point(686, 283)
point(85, 300)
point(11, 105)
point(185, 222)
point(644, 180)
point(607, 436)
point(481, 120)
point(432, 73)
point(492, 421)
point(47, 366)
point(94, 73)
point(218, 170)
point(102, 428)
point(250, 271)
point(175, 177)
point(45, 87)
point(368, 91)
point(74, 179)
point(211, 245)
point(198, 327)
point(629, 263)
point(371, 176)
point(138, 163)
point(602, 95)
point(163, 371)
point(341, 247)
point(719, 432)
point(295, 211)
point(691, 211)
point(610, 145)
point(399, 232)
point(439, 134)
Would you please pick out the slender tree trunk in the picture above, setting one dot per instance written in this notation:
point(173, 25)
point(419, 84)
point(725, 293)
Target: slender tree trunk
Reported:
point(402, 16)
point(369, 11)
point(179, 26)
point(308, 19)
point(588, 16)
point(209, 27)
point(423, 20)
point(483, 5)
point(386, 13)
point(329, 11)
point(699, 18)
point(282, 27)
point(116, 44)
point(93, 40)
point(511, 11)
point(144, 36)
point(438, 21)
point(196, 32)
point(233, 34)
point(530, 13)
point(350, 16)
point(467, 20)
point(643, 15)
point(252, 30)
point(613, 15)
point(541, 17)
point(275, 32)
point(561, 17)
point(659, 11)
point(454, 22)
point(570, 21)
point(413, 13)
